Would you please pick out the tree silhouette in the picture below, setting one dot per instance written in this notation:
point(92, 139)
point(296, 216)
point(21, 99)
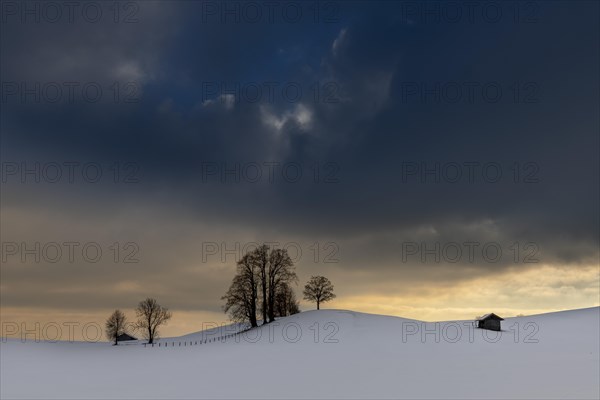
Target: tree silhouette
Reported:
point(318, 289)
point(241, 298)
point(151, 316)
point(115, 325)
point(285, 301)
point(260, 276)
point(260, 257)
point(281, 272)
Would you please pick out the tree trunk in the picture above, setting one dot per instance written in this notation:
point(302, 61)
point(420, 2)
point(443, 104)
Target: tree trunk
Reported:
point(271, 302)
point(264, 302)
point(318, 304)
point(253, 322)
point(263, 254)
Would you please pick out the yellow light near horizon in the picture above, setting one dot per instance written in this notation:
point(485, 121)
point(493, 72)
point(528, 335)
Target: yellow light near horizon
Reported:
point(532, 291)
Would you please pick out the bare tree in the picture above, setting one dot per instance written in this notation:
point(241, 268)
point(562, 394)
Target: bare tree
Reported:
point(115, 325)
point(238, 302)
point(285, 301)
point(260, 257)
point(241, 298)
point(280, 272)
point(318, 289)
point(151, 316)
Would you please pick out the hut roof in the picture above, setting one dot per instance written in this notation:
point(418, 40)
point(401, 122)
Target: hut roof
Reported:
point(124, 336)
point(490, 316)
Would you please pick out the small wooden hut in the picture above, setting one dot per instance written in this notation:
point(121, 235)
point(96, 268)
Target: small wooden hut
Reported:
point(490, 321)
point(125, 337)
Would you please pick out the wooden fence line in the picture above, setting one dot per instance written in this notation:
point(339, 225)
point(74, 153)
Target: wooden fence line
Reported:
point(194, 342)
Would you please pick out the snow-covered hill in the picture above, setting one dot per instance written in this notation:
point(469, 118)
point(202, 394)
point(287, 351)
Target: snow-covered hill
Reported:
point(325, 354)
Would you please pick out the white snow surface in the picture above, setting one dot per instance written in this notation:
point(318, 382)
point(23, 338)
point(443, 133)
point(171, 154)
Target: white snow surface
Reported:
point(354, 355)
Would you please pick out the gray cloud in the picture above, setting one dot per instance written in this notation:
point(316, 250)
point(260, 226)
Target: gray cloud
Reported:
point(354, 153)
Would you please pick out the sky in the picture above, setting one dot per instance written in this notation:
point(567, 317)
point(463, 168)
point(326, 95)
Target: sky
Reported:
point(434, 160)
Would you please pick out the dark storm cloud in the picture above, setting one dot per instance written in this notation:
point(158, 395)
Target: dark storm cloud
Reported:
point(372, 134)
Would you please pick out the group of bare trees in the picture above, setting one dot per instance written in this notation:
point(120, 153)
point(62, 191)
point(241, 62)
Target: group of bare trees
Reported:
point(262, 287)
point(285, 301)
point(150, 316)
